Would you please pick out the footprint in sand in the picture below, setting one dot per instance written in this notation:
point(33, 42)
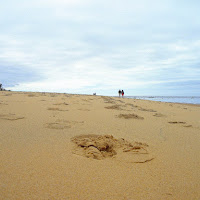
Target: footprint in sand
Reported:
point(147, 110)
point(132, 105)
point(3, 103)
point(32, 95)
point(188, 126)
point(176, 122)
point(58, 125)
point(63, 124)
point(7, 95)
point(108, 100)
point(52, 95)
point(82, 109)
point(114, 107)
point(129, 116)
point(56, 109)
point(11, 117)
point(61, 104)
point(120, 101)
point(86, 100)
point(106, 146)
point(159, 115)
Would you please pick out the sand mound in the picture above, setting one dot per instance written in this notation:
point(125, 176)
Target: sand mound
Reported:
point(104, 146)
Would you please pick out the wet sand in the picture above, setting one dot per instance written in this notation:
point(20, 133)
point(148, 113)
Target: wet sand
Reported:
point(63, 146)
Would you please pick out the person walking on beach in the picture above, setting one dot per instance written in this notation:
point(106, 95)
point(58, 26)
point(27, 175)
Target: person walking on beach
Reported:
point(119, 92)
point(122, 93)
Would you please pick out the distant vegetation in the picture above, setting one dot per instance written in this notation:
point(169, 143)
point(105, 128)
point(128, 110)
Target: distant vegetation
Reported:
point(1, 88)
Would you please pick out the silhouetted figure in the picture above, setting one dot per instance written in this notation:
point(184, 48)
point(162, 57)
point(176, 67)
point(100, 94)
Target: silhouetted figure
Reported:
point(119, 92)
point(122, 93)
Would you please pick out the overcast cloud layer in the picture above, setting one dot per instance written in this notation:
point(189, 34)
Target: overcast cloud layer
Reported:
point(75, 46)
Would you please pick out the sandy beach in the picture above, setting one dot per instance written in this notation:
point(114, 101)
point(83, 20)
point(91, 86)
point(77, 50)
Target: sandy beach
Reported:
point(63, 146)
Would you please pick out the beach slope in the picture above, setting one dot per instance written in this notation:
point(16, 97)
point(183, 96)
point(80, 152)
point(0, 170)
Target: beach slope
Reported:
point(63, 146)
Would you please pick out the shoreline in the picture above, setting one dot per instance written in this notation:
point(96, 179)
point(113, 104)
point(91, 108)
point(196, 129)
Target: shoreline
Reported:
point(167, 101)
point(128, 97)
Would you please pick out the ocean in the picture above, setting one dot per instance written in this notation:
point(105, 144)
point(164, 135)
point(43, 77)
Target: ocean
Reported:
point(171, 99)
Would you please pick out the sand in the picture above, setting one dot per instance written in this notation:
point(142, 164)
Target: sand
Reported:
point(62, 146)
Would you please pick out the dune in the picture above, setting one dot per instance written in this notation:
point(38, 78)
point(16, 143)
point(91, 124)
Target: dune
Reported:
point(64, 146)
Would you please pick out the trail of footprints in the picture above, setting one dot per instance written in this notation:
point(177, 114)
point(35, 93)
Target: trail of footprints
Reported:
point(63, 124)
point(134, 116)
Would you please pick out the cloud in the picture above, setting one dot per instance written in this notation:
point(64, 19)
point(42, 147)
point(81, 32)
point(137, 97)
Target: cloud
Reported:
point(82, 46)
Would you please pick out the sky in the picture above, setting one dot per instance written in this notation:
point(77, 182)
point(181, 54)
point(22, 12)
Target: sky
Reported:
point(74, 46)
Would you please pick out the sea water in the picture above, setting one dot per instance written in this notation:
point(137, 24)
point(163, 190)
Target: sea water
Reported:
point(171, 99)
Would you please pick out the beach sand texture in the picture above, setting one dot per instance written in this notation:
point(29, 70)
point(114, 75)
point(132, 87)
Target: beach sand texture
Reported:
point(62, 146)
